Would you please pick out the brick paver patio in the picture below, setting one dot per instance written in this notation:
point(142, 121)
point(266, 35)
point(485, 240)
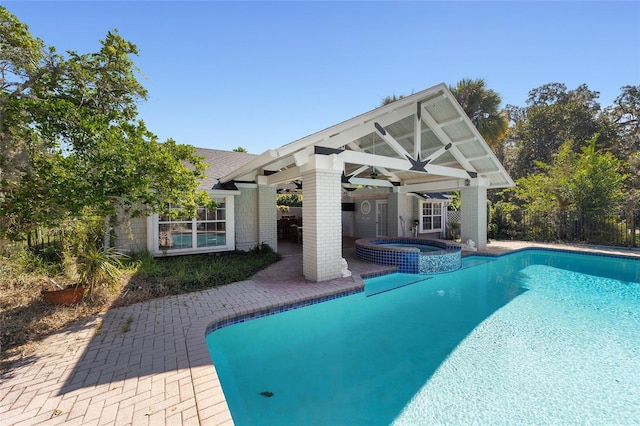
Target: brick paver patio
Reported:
point(159, 372)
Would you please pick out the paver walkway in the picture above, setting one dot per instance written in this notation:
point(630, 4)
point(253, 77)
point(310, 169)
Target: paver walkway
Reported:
point(159, 372)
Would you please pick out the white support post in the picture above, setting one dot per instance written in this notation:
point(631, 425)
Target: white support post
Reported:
point(473, 201)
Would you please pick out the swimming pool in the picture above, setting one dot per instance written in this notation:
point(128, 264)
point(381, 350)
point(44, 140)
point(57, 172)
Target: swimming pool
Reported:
point(535, 337)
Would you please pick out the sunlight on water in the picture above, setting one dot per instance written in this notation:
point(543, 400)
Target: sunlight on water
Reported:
point(566, 351)
point(531, 338)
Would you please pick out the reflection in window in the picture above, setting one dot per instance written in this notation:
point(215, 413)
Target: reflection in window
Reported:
point(207, 229)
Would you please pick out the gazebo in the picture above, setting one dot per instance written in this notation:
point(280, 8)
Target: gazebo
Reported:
point(422, 143)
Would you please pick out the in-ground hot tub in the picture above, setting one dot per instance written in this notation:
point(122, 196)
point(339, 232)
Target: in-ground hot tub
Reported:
point(411, 255)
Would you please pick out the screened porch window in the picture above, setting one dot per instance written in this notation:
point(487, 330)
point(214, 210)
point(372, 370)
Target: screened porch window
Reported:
point(431, 216)
point(207, 229)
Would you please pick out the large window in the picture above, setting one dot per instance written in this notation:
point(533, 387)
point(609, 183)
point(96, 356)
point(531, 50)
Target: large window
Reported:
point(431, 216)
point(207, 230)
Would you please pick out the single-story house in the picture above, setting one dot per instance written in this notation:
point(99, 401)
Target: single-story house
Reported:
point(382, 173)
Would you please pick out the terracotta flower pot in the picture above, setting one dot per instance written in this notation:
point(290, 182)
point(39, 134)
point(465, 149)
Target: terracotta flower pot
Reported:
point(68, 296)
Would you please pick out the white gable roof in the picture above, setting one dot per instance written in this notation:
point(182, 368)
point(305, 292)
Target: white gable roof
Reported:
point(423, 142)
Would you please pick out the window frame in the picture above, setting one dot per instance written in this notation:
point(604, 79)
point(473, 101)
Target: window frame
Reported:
point(154, 222)
point(437, 206)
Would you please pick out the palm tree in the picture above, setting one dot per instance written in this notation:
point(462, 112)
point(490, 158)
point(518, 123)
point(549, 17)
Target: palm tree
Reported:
point(482, 105)
point(390, 99)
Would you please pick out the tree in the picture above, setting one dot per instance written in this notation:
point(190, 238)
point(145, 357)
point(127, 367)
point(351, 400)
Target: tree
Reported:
point(290, 200)
point(625, 115)
point(624, 118)
point(596, 183)
point(482, 106)
point(585, 181)
point(24, 62)
point(71, 121)
point(239, 149)
point(549, 189)
point(390, 99)
point(553, 115)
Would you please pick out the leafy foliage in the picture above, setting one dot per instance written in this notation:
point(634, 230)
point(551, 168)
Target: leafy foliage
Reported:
point(554, 115)
point(596, 182)
point(586, 181)
point(69, 126)
point(290, 200)
point(625, 115)
point(97, 267)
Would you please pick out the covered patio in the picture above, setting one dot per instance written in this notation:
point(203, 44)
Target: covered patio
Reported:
point(418, 144)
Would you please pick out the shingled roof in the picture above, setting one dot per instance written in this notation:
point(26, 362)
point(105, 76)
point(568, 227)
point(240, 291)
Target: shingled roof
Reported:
point(221, 163)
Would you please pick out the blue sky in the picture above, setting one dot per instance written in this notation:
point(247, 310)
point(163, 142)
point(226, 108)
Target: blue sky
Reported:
point(263, 74)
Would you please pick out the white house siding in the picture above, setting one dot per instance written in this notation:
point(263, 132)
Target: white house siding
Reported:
point(347, 224)
point(246, 212)
point(131, 235)
point(473, 201)
point(401, 205)
point(365, 224)
point(267, 216)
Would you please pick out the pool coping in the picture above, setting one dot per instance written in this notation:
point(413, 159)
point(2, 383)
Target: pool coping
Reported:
point(444, 245)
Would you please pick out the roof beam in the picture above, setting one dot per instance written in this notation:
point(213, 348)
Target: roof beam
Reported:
point(438, 153)
point(251, 167)
point(280, 163)
point(417, 131)
point(391, 141)
point(478, 157)
point(464, 141)
point(445, 139)
point(443, 185)
point(434, 100)
point(302, 157)
point(358, 171)
point(399, 164)
point(287, 175)
point(371, 182)
point(491, 172)
point(367, 127)
point(384, 171)
point(451, 121)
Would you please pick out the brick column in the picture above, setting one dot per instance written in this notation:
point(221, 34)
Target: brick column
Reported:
point(473, 201)
point(322, 218)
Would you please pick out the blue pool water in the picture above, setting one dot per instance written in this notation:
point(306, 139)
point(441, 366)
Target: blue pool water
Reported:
point(534, 337)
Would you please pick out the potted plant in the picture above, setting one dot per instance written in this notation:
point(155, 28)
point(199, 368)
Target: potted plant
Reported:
point(94, 268)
